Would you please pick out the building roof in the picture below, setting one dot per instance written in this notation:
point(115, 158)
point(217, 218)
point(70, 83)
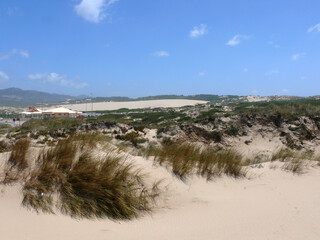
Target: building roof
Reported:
point(60, 110)
point(52, 110)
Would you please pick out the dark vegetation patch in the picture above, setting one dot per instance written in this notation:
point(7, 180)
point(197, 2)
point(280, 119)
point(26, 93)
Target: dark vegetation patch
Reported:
point(150, 118)
point(194, 132)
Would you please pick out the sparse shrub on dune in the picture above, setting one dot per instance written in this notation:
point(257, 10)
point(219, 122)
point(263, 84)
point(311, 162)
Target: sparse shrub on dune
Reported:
point(233, 130)
point(133, 137)
point(294, 161)
point(4, 146)
point(296, 166)
point(187, 159)
point(89, 139)
point(85, 187)
point(18, 155)
point(282, 155)
point(17, 161)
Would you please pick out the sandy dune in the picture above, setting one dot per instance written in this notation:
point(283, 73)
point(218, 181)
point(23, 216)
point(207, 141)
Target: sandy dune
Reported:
point(103, 106)
point(270, 204)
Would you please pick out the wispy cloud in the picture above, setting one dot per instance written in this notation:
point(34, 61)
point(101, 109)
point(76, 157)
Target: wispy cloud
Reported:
point(12, 10)
point(236, 40)
point(22, 53)
point(161, 54)
point(202, 74)
point(245, 70)
point(297, 56)
point(314, 28)
point(272, 72)
point(93, 10)
point(56, 79)
point(3, 77)
point(198, 31)
point(272, 43)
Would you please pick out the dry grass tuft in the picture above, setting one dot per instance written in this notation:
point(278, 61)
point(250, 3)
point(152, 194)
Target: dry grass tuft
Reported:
point(17, 162)
point(4, 146)
point(294, 161)
point(17, 158)
point(90, 140)
point(296, 166)
point(85, 187)
point(187, 159)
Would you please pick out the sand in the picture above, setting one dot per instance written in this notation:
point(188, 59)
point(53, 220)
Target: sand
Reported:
point(104, 106)
point(269, 204)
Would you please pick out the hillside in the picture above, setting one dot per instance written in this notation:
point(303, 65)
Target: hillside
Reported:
point(19, 97)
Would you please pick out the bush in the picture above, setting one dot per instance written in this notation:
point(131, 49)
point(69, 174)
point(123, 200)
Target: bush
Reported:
point(233, 131)
point(132, 137)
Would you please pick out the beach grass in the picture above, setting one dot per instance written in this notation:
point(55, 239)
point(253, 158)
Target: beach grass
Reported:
point(85, 186)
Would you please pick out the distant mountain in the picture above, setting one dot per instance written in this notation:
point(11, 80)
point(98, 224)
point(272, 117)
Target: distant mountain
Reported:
point(203, 97)
point(19, 97)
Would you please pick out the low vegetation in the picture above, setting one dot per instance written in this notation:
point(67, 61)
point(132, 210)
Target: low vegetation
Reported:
point(17, 162)
point(83, 186)
point(294, 161)
point(187, 159)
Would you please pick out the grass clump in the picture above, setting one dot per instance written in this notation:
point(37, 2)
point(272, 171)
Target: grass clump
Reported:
point(84, 187)
point(187, 159)
point(4, 146)
point(296, 166)
point(294, 161)
point(18, 155)
point(17, 161)
point(89, 139)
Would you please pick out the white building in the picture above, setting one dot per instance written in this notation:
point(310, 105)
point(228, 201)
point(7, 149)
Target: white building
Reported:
point(59, 112)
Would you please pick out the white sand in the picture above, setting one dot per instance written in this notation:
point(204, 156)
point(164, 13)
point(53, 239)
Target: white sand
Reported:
point(272, 204)
point(103, 106)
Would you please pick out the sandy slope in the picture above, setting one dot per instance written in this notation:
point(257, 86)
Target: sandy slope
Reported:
point(101, 106)
point(271, 204)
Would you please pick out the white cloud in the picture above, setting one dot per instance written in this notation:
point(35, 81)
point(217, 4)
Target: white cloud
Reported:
point(93, 10)
point(236, 40)
point(198, 31)
point(3, 77)
point(8, 55)
point(161, 54)
point(22, 53)
point(297, 56)
point(303, 78)
point(245, 70)
point(314, 28)
point(202, 74)
point(56, 79)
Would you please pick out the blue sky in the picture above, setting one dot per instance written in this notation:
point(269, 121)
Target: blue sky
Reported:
point(148, 47)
